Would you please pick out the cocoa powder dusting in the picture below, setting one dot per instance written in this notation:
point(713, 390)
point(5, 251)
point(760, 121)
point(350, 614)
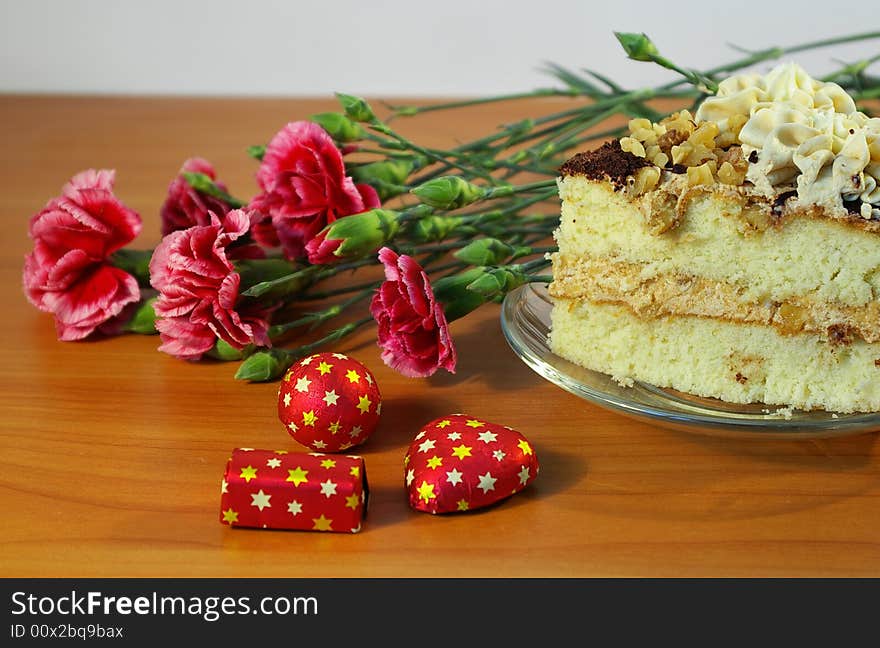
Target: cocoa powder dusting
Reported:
point(608, 161)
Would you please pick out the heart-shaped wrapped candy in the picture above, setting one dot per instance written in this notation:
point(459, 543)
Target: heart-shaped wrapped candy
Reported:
point(329, 402)
point(461, 463)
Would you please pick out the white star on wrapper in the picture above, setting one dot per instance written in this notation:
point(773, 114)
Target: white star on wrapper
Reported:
point(410, 475)
point(355, 431)
point(487, 482)
point(307, 361)
point(223, 487)
point(287, 399)
point(454, 476)
point(274, 462)
point(368, 377)
point(499, 455)
point(294, 508)
point(330, 397)
point(319, 444)
point(524, 475)
point(293, 426)
point(487, 437)
point(427, 444)
point(453, 436)
point(340, 356)
point(420, 435)
point(302, 385)
point(260, 500)
point(328, 488)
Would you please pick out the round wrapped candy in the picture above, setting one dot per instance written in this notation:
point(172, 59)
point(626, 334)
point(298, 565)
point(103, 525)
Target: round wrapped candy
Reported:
point(329, 402)
point(460, 463)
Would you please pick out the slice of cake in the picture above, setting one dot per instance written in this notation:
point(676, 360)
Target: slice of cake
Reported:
point(733, 253)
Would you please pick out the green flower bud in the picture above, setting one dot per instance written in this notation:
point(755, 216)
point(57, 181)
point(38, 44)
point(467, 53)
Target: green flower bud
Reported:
point(360, 235)
point(434, 228)
point(356, 108)
point(386, 177)
point(638, 47)
point(485, 251)
point(257, 151)
point(448, 192)
point(452, 292)
point(339, 127)
point(494, 283)
point(264, 366)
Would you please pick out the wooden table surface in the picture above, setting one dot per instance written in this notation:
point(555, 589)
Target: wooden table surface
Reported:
point(112, 452)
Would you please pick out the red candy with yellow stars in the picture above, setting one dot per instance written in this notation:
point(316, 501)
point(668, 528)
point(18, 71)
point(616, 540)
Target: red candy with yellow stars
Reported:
point(461, 463)
point(329, 402)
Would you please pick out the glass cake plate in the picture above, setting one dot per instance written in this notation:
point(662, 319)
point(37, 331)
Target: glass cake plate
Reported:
point(525, 320)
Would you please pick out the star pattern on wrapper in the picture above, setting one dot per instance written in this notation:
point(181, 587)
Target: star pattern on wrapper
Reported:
point(353, 376)
point(487, 482)
point(364, 404)
point(287, 495)
point(287, 399)
point(297, 476)
point(324, 368)
point(260, 500)
point(302, 385)
point(473, 464)
point(328, 488)
point(248, 473)
point(322, 523)
point(330, 397)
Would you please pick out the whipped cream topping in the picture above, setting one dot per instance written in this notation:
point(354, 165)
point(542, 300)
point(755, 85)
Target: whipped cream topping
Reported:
point(802, 133)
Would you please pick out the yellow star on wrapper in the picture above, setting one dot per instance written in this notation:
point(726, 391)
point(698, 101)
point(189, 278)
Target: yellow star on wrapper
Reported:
point(324, 368)
point(333, 428)
point(352, 376)
point(309, 418)
point(328, 463)
point(248, 473)
point(364, 404)
point(426, 491)
point(297, 476)
point(352, 501)
point(463, 505)
point(461, 451)
point(444, 423)
point(355, 471)
point(525, 447)
point(230, 516)
point(435, 461)
point(322, 523)
point(474, 423)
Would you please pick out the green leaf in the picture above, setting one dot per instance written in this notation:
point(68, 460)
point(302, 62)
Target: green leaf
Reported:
point(257, 151)
point(289, 284)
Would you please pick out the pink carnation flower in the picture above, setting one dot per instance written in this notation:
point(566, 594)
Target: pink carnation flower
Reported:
point(412, 328)
point(199, 289)
point(184, 206)
point(68, 272)
point(304, 188)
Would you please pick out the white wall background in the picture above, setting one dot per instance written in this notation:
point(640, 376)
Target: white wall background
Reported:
point(387, 47)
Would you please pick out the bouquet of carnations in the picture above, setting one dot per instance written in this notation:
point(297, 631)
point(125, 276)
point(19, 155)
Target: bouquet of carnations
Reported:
point(236, 279)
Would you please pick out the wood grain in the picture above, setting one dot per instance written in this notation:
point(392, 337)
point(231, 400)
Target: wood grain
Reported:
point(112, 452)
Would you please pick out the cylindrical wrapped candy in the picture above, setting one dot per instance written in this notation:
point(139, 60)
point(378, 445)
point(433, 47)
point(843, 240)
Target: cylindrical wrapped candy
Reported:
point(275, 489)
point(329, 402)
point(460, 463)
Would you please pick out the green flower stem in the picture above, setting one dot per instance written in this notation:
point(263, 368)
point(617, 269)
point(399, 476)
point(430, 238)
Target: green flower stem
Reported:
point(314, 320)
point(510, 190)
point(411, 111)
point(333, 336)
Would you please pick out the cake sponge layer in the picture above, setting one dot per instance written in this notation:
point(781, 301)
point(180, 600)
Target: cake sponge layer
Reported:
point(722, 235)
point(738, 363)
